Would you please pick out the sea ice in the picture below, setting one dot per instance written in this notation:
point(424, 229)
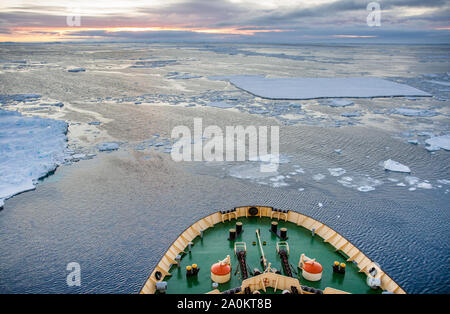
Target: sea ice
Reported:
point(412, 180)
point(220, 104)
point(30, 149)
point(339, 103)
point(411, 112)
point(153, 64)
point(392, 165)
point(424, 185)
point(77, 70)
point(310, 88)
point(353, 114)
point(336, 172)
point(365, 188)
point(439, 142)
point(318, 177)
point(108, 146)
point(438, 82)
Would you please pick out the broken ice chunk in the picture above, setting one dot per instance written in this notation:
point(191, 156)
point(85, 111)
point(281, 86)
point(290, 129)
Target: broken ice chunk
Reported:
point(77, 70)
point(438, 142)
point(319, 177)
point(412, 112)
point(336, 172)
point(340, 103)
point(108, 146)
point(392, 165)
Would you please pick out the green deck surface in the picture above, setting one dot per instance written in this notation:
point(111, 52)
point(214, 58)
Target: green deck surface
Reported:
point(214, 247)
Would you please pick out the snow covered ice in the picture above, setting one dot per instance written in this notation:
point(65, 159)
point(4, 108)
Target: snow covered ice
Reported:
point(392, 165)
point(30, 149)
point(108, 146)
point(438, 142)
point(339, 103)
point(411, 112)
point(310, 88)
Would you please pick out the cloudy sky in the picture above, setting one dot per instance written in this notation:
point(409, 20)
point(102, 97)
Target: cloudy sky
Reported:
point(278, 21)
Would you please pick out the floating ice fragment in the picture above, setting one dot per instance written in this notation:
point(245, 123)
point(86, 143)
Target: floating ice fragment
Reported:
point(108, 146)
point(439, 142)
point(392, 165)
point(351, 114)
point(220, 104)
point(412, 180)
point(319, 177)
point(340, 103)
point(336, 172)
point(424, 185)
point(411, 112)
point(366, 188)
point(77, 70)
point(277, 178)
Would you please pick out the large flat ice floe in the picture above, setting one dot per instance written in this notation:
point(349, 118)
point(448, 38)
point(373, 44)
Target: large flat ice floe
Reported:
point(30, 148)
point(310, 88)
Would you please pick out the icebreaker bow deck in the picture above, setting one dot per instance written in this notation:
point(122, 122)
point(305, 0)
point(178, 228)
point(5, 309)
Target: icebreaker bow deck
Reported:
point(256, 249)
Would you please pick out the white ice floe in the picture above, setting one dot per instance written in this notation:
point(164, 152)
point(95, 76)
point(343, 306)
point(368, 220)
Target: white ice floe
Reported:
point(220, 104)
point(412, 180)
point(392, 165)
point(412, 112)
point(365, 188)
point(336, 172)
point(438, 142)
point(424, 185)
point(318, 177)
point(108, 146)
point(30, 149)
point(438, 82)
point(310, 88)
point(339, 103)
